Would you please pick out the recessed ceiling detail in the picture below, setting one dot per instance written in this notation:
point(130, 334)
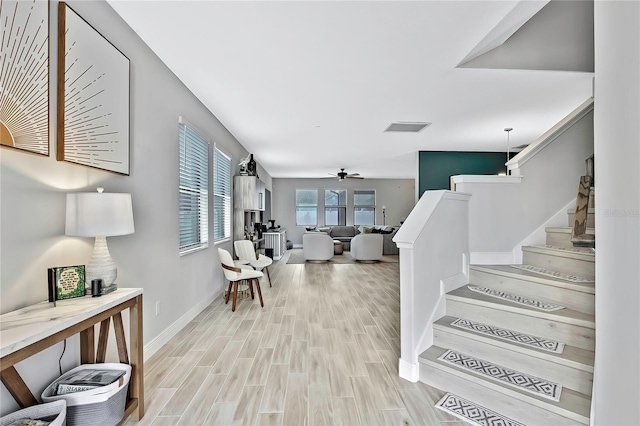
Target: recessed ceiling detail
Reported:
point(407, 126)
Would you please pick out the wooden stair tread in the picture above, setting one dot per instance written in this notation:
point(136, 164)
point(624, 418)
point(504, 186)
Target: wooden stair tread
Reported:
point(571, 356)
point(508, 271)
point(570, 401)
point(565, 315)
point(582, 253)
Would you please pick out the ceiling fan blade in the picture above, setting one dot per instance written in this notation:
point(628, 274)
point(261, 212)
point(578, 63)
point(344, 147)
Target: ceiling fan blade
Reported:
point(354, 177)
point(353, 174)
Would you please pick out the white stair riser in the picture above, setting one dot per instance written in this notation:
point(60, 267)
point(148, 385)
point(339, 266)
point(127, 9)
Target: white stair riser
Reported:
point(559, 239)
point(591, 221)
point(497, 398)
point(580, 381)
point(573, 335)
point(576, 300)
point(561, 264)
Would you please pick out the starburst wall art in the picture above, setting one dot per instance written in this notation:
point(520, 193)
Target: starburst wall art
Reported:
point(24, 75)
point(93, 96)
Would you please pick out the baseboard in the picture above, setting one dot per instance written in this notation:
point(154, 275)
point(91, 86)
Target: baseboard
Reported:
point(492, 258)
point(161, 339)
point(451, 283)
point(408, 371)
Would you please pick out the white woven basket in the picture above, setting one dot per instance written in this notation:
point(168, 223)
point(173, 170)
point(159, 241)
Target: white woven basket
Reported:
point(54, 412)
point(95, 406)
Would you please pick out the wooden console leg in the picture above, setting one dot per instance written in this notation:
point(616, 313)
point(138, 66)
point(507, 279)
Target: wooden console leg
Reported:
point(87, 346)
point(103, 339)
point(136, 383)
point(121, 341)
point(17, 388)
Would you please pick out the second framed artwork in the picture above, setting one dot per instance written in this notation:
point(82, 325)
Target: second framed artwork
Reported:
point(93, 96)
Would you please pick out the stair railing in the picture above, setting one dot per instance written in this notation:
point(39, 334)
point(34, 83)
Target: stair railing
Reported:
point(434, 253)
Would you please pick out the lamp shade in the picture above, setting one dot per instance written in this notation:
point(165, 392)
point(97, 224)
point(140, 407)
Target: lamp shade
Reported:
point(93, 214)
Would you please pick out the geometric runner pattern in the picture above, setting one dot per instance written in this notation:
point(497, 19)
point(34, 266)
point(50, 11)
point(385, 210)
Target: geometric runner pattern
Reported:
point(553, 274)
point(510, 335)
point(522, 381)
point(532, 303)
point(473, 413)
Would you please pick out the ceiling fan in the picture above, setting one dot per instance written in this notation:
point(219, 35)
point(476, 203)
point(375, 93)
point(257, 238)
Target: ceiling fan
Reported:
point(342, 175)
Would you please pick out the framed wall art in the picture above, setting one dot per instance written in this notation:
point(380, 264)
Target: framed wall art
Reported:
point(24, 75)
point(93, 96)
point(66, 282)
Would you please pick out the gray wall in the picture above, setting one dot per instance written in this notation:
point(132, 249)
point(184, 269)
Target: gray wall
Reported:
point(397, 194)
point(33, 202)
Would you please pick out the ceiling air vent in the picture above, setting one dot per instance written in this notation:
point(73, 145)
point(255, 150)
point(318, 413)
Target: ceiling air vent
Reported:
point(406, 126)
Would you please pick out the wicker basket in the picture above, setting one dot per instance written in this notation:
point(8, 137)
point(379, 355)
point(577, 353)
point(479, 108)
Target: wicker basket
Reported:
point(54, 412)
point(95, 406)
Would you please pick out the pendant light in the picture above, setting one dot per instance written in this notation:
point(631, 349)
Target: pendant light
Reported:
point(508, 130)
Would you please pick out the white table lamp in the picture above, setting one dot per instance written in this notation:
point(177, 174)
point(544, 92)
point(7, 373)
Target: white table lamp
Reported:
point(99, 215)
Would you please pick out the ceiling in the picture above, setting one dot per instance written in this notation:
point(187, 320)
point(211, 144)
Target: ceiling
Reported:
point(309, 87)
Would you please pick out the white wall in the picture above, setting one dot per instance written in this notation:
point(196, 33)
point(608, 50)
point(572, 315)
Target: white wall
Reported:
point(617, 155)
point(397, 194)
point(33, 202)
point(502, 213)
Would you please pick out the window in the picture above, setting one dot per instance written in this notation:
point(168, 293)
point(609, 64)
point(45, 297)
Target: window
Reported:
point(364, 207)
point(221, 195)
point(306, 207)
point(193, 187)
point(335, 207)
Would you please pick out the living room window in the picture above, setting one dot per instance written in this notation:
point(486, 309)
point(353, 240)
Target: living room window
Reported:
point(364, 207)
point(306, 207)
point(193, 188)
point(335, 207)
point(221, 195)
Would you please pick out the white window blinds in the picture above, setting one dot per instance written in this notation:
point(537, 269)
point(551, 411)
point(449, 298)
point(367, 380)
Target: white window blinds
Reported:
point(221, 195)
point(194, 182)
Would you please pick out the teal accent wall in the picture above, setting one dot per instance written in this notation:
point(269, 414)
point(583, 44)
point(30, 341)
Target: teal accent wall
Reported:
point(436, 167)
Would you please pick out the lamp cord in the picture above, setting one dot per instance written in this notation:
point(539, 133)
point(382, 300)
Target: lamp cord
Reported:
point(64, 348)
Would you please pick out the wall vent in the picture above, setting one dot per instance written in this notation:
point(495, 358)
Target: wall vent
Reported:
point(406, 126)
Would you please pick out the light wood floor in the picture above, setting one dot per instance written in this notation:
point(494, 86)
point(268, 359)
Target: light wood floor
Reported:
point(323, 351)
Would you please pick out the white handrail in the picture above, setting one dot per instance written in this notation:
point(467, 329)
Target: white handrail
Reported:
point(549, 136)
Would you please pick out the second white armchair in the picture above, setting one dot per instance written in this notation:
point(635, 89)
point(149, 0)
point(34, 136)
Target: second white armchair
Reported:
point(248, 256)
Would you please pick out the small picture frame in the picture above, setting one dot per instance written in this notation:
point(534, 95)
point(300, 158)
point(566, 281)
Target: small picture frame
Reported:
point(66, 282)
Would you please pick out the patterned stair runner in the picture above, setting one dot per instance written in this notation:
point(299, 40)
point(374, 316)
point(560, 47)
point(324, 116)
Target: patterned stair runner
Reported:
point(525, 382)
point(510, 335)
point(532, 303)
point(473, 413)
point(553, 274)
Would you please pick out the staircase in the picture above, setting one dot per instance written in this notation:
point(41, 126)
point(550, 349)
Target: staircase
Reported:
point(521, 355)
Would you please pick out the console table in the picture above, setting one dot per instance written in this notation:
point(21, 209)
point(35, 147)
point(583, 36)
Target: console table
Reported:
point(29, 330)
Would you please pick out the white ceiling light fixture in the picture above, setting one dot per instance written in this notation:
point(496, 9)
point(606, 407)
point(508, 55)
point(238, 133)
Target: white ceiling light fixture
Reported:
point(407, 126)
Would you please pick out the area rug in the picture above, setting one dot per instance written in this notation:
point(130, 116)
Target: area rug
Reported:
point(553, 274)
point(296, 257)
point(510, 335)
point(525, 382)
point(473, 413)
point(521, 300)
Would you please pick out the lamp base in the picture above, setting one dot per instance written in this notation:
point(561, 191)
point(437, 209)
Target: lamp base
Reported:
point(101, 265)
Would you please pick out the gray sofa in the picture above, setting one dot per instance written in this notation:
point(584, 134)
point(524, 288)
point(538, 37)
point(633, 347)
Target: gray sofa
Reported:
point(346, 233)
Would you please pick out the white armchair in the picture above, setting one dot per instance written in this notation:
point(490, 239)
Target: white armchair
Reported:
point(367, 247)
point(317, 246)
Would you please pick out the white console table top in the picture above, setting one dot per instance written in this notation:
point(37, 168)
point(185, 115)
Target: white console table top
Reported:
point(22, 327)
